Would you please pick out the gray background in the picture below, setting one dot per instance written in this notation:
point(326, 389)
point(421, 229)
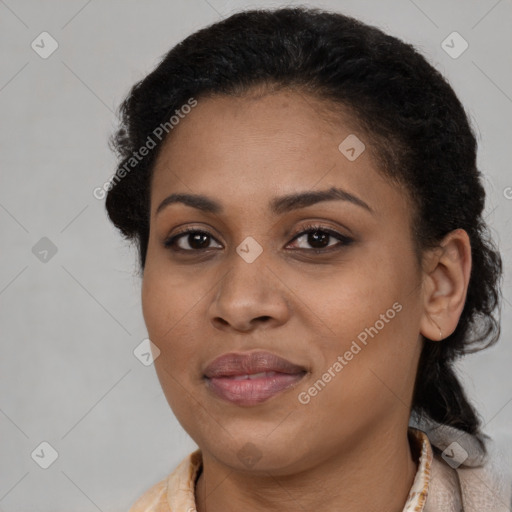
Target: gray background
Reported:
point(69, 325)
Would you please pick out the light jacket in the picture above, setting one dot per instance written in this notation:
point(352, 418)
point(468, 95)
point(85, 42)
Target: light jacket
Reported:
point(453, 475)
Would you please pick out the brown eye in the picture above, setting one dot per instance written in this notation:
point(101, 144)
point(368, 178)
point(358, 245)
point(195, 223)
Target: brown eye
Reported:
point(314, 238)
point(318, 238)
point(196, 240)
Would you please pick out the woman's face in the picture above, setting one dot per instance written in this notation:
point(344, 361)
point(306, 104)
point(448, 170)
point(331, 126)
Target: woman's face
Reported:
point(342, 304)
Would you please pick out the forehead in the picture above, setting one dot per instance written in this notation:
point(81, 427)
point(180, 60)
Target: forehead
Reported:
point(265, 113)
point(259, 144)
point(262, 127)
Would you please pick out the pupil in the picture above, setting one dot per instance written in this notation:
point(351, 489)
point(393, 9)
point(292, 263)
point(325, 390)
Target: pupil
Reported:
point(197, 238)
point(316, 239)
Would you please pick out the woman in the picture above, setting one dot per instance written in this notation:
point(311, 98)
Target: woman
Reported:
point(303, 193)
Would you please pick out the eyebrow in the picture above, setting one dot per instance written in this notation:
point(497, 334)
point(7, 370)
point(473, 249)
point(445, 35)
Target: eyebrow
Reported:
point(278, 205)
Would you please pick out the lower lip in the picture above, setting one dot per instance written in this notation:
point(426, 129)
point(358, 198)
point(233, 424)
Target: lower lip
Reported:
point(252, 391)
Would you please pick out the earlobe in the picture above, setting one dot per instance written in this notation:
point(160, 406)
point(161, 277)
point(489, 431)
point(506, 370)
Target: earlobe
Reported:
point(445, 285)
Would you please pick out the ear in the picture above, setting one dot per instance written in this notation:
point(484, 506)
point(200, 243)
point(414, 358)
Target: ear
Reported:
point(445, 285)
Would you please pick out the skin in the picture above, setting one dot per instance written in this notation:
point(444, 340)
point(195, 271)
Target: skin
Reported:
point(347, 449)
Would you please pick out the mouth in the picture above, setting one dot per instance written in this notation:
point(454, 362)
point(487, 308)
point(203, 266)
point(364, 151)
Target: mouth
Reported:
point(250, 378)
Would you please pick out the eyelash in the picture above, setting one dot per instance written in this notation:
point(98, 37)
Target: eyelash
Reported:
point(310, 228)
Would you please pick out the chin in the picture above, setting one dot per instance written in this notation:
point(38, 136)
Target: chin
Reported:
point(254, 451)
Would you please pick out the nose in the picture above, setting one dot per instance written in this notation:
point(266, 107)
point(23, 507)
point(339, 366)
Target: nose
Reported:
point(249, 296)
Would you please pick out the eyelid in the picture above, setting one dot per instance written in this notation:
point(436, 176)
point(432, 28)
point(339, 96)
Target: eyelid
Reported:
point(343, 240)
point(169, 240)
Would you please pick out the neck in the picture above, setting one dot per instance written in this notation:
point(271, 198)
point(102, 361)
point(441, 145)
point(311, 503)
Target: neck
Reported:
point(376, 473)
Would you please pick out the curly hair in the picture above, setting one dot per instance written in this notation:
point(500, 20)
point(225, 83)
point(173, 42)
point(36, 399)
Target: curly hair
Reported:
point(405, 106)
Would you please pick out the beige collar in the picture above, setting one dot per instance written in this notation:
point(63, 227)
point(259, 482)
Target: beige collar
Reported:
point(181, 483)
point(465, 489)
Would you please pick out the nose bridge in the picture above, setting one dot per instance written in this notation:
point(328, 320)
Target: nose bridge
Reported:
point(247, 275)
point(249, 289)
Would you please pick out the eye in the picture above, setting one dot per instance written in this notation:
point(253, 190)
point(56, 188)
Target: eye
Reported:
point(195, 239)
point(318, 237)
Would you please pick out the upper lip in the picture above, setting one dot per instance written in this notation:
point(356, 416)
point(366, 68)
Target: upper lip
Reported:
point(232, 364)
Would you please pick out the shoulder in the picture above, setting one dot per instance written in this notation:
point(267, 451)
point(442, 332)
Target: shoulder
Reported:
point(472, 489)
point(465, 477)
point(488, 487)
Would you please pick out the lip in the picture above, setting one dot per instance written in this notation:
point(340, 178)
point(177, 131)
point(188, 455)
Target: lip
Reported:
point(252, 377)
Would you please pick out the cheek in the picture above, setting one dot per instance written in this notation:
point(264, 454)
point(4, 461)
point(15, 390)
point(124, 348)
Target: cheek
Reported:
point(165, 316)
point(168, 299)
point(362, 382)
point(372, 319)
point(348, 301)
point(168, 314)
